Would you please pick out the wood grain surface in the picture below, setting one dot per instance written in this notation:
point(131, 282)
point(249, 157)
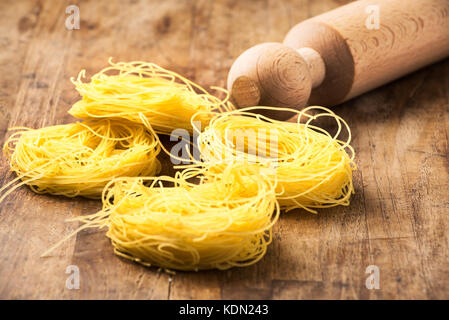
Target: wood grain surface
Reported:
point(397, 220)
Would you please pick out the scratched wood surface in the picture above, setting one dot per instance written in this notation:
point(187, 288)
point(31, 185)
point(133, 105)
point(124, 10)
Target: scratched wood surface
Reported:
point(398, 218)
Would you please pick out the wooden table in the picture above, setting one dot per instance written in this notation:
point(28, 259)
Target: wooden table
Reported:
point(397, 220)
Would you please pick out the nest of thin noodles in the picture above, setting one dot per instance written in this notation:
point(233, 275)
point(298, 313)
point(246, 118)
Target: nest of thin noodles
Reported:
point(222, 222)
point(80, 158)
point(127, 90)
point(312, 167)
point(251, 167)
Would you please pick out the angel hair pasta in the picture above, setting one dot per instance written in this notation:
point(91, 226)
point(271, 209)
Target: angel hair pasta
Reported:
point(312, 167)
point(222, 222)
point(128, 89)
point(80, 158)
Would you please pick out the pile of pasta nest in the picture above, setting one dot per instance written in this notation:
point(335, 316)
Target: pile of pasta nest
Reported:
point(219, 209)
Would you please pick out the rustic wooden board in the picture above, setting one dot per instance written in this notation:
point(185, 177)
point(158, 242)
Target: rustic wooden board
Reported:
point(397, 220)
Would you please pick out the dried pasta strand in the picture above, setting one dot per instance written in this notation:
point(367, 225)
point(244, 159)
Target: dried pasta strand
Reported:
point(79, 159)
point(128, 89)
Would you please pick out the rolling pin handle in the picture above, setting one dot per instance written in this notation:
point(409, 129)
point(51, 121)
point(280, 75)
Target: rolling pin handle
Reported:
point(245, 91)
point(273, 74)
point(317, 67)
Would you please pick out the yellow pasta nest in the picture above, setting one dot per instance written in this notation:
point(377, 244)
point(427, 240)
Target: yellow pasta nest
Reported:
point(130, 90)
point(219, 211)
point(311, 166)
point(222, 222)
point(80, 158)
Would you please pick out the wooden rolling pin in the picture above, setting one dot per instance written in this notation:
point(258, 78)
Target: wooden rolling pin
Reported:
point(342, 53)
